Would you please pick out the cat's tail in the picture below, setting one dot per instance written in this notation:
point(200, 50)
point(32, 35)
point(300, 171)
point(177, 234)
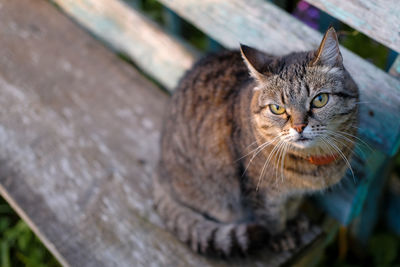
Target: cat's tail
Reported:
point(205, 235)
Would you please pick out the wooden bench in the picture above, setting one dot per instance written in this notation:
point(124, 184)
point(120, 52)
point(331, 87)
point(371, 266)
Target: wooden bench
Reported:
point(79, 127)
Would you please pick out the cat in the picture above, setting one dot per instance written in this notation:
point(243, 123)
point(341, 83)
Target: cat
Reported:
point(245, 137)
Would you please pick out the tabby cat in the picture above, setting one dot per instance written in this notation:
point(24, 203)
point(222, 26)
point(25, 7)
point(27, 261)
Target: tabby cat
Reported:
point(246, 135)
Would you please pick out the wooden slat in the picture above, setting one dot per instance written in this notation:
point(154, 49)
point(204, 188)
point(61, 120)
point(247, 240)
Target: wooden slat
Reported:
point(261, 24)
point(379, 19)
point(130, 32)
point(79, 133)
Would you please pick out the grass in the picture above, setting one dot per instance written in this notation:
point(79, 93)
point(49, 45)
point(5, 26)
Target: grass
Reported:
point(18, 244)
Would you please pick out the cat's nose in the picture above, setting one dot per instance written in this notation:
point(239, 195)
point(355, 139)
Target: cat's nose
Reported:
point(299, 127)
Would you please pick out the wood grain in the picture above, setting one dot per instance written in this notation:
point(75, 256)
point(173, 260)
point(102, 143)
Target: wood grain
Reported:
point(79, 133)
point(163, 57)
point(263, 25)
point(379, 19)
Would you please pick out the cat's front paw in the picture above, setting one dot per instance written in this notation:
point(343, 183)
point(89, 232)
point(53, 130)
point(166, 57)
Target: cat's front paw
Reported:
point(301, 224)
point(291, 237)
point(302, 227)
point(285, 241)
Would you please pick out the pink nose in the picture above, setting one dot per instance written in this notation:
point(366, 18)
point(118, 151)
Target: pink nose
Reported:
point(299, 127)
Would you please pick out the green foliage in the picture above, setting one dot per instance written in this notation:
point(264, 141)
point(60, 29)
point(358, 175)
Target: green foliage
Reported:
point(18, 245)
point(366, 48)
point(153, 9)
point(397, 164)
point(384, 248)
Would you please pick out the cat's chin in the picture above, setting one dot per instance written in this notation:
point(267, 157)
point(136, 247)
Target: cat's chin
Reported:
point(304, 144)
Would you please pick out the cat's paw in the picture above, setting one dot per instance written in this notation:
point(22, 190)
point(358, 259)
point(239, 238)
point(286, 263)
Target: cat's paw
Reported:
point(302, 227)
point(286, 241)
point(301, 224)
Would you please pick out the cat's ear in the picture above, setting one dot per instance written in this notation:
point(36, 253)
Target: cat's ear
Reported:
point(255, 60)
point(328, 52)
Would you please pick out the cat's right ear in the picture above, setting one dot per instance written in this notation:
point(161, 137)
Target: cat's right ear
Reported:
point(255, 60)
point(328, 52)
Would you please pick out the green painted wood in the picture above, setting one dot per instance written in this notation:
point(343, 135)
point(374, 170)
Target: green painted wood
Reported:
point(173, 22)
point(160, 55)
point(263, 25)
point(379, 19)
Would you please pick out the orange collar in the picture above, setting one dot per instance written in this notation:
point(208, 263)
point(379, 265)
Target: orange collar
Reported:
point(322, 160)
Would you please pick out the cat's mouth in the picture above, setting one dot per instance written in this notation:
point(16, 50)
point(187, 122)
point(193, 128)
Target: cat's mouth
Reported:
point(302, 139)
point(303, 142)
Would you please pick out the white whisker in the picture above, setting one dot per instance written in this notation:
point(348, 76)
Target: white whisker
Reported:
point(358, 151)
point(267, 162)
point(280, 153)
point(287, 145)
point(260, 148)
point(334, 146)
point(359, 139)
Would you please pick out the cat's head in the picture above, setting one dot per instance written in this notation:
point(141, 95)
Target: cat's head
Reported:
point(306, 99)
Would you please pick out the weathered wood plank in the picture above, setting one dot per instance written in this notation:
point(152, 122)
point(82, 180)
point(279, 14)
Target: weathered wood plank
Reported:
point(263, 25)
point(79, 134)
point(130, 32)
point(379, 19)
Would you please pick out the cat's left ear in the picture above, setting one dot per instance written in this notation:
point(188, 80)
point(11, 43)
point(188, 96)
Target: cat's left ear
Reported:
point(255, 61)
point(328, 52)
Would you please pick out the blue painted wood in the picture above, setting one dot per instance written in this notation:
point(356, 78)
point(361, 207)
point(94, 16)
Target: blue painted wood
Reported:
point(326, 20)
point(133, 3)
point(395, 69)
point(173, 22)
point(213, 46)
point(364, 224)
point(391, 59)
point(393, 212)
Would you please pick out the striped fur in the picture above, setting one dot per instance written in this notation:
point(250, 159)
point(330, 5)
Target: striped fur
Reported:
point(219, 187)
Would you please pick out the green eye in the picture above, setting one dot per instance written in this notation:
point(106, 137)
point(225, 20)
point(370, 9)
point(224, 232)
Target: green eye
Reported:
point(320, 100)
point(276, 109)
